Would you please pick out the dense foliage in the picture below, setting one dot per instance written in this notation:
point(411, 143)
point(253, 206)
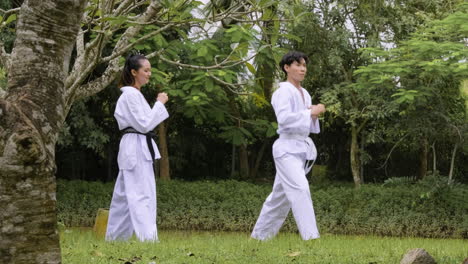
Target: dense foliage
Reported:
point(390, 75)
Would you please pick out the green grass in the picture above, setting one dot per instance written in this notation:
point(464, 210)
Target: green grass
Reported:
point(81, 246)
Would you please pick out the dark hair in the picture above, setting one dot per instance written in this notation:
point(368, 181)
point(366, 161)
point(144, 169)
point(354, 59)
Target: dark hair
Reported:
point(132, 62)
point(291, 57)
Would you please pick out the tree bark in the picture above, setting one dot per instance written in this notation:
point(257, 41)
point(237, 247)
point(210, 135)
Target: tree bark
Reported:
point(423, 158)
point(233, 161)
point(434, 158)
point(258, 160)
point(266, 67)
point(452, 162)
point(355, 159)
point(243, 153)
point(164, 172)
point(110, 158)
point(31, 116)
point(361, 160)
point(243, 161)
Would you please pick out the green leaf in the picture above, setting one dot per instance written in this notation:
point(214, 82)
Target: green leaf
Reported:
point(251, 68)
point(209, 85)
point(140, 46)
point(293, 37)
point(218, 116)
point(202, 51)
point(160, 41)
point(187, 86)
point(236, 36)
point(271, 131)
point(245, 131)
point(10, 19)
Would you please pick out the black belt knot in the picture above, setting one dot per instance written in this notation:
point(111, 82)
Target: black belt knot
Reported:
point(149, 136)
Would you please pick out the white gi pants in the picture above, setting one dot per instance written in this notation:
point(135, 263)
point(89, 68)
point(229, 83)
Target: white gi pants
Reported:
point(133, 206)
point(290, 191)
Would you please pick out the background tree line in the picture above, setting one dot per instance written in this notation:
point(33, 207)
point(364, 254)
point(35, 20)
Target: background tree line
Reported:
point(402, 117)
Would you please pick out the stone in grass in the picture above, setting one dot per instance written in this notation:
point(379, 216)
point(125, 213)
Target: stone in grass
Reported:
point(100, 224)
point(417, 256)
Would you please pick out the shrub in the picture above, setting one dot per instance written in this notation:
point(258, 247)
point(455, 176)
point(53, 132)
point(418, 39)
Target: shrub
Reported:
point(396, 181)
point(411, 210)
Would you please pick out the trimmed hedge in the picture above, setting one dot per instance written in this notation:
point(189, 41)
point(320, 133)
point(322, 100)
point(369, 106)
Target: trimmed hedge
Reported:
point(413, 210)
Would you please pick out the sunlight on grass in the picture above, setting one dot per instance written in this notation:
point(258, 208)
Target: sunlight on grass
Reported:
point(81, 246)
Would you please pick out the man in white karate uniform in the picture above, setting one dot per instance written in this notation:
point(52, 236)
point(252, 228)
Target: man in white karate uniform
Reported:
point(133, 206)
point(292, 152)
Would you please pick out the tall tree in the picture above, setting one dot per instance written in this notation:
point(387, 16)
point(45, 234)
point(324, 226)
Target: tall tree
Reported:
point(424, 74)
point(335, 34)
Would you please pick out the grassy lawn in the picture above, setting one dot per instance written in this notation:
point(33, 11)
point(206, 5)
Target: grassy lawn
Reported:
point(81, 246)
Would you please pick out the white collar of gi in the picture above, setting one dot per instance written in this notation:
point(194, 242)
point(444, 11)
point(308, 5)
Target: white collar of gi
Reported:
point(290, 85)
point(128, 89)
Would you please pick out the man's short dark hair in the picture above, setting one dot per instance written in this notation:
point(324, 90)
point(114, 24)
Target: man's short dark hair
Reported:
point(291, 57)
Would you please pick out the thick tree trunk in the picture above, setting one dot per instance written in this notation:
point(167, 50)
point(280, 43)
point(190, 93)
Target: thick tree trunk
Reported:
point(110, 162)
point(243, 154)
point(361, 160)
point(355, 159)
point(258, 160)
point(452, 162)
point(266, 66)
point(164, 172)
point(243, 161)
point(233, 161)
point(434, 158)
point(31, 115)
point(424, 151)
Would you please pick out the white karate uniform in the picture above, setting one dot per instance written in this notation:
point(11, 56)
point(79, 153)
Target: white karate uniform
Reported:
point(133, 206)
point(291, 152)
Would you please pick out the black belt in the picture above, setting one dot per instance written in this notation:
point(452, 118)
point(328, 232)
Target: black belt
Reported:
point(149, 136)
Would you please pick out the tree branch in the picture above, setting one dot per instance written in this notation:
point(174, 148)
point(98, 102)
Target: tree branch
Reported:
point(361, 126)
point(122, 7)
point(130, 8)
point(222, 65)
point(82, 68)
point(122, 50)
point(391, 151)
point(231, 87)
point(94, 86)
point(4, 57)
point(80, 43)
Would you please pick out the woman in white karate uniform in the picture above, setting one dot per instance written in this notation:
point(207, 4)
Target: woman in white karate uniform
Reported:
point(292, 152)
point(133, 206)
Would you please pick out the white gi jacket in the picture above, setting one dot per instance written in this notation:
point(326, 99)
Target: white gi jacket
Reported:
point(133, 110)
point(294, 122)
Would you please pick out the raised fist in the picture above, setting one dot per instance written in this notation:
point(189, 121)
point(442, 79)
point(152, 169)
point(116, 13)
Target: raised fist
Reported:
point(316, 110)
point(162, 97)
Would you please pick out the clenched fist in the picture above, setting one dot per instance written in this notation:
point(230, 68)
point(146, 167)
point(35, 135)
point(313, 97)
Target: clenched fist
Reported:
point(162, 97)
point(316, 110)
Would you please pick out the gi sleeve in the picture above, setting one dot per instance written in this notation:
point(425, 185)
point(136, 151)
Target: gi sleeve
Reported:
point(315, 126)
point(286, 118)
point(141, 117)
